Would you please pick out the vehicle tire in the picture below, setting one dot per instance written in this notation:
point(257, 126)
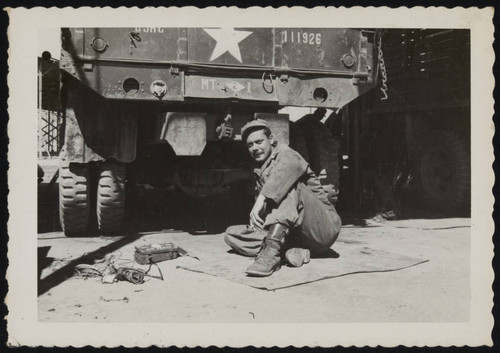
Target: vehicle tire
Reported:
point(111, 197)
point(74, 205)
point(442, 173)
point(323, 156)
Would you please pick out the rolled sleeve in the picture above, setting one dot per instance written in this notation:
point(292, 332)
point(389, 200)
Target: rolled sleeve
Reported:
point(288, 169)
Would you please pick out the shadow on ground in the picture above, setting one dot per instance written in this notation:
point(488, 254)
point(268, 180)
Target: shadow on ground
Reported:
point(67, 271)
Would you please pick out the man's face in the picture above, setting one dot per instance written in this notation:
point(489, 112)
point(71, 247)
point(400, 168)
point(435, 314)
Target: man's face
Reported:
point(259, 146)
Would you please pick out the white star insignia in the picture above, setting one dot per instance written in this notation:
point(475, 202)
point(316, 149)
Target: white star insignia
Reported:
point(227, 41)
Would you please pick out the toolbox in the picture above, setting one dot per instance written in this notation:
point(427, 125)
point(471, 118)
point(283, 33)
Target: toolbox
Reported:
point(152, 253)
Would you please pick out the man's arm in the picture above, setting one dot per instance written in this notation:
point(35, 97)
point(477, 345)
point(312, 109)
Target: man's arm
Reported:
point(289, 168)
point(255, 219)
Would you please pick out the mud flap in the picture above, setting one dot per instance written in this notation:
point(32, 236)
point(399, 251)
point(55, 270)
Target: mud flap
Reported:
point(96, 129)
point(185, 132)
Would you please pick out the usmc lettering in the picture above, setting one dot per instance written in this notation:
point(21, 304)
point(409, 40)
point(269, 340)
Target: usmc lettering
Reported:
point(149, 29)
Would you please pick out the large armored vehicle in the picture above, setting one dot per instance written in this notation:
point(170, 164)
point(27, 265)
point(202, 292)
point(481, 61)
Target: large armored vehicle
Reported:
point(164, 106)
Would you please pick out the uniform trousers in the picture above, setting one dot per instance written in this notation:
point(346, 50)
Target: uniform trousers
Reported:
point(313, 225)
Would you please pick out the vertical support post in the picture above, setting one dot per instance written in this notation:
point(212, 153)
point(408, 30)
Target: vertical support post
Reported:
point(354, 155)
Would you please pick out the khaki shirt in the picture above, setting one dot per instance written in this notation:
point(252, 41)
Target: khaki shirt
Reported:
point(282, 171)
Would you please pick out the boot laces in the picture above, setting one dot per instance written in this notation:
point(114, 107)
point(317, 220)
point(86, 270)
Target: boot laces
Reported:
point(262, 248)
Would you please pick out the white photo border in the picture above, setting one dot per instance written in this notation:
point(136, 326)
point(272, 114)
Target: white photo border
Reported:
point(23, 327)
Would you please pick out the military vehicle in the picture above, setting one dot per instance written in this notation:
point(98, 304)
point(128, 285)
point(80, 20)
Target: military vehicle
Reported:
point(413, 138)
point(164, 106)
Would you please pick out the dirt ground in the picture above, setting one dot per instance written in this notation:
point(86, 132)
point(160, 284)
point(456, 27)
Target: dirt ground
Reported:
point(435, 291)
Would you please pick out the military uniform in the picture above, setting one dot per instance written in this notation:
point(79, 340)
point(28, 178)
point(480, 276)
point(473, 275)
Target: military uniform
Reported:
point(295, 199)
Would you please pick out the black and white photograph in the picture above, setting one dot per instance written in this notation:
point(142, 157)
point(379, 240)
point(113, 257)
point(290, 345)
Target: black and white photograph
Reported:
point(197, 172)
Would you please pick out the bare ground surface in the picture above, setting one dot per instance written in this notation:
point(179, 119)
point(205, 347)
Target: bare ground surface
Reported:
point(436, 291)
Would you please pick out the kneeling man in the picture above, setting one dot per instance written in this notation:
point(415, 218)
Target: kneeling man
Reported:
point(291, 215)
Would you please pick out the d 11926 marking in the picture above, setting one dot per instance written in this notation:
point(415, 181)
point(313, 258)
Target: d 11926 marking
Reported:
point(300, 37)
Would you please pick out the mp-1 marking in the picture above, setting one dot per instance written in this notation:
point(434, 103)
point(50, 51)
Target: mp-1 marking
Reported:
point(214, 84)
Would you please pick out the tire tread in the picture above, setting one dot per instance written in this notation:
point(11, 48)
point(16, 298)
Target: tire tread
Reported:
point(74, 198)
point(111, 197)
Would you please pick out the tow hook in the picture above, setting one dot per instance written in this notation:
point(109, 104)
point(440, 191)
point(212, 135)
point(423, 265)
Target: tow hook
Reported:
point(225, 130)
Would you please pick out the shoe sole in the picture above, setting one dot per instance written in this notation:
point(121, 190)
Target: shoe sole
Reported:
point(261, 274)
point(297, 261)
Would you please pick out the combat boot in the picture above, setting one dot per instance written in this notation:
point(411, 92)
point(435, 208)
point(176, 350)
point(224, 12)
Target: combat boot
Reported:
point(268, 259)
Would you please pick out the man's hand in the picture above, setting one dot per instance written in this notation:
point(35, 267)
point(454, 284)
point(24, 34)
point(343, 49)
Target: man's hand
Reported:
point(258, 206)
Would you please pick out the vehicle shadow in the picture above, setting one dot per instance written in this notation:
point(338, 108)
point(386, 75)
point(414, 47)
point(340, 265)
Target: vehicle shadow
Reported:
point(175, 210)
point(65, 272)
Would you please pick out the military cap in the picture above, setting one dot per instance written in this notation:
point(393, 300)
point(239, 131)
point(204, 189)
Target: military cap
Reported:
point(253, 125)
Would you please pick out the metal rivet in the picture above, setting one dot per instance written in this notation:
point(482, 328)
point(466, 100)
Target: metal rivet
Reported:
point(348, 60)
point(99, 44)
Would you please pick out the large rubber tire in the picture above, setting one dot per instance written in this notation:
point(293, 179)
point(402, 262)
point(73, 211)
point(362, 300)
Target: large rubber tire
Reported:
point(74, 205)
point(111, 197)
point(323, 156)
point(442, 173)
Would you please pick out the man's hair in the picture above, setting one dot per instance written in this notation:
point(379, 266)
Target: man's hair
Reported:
point(267, 132)
point(250, 130)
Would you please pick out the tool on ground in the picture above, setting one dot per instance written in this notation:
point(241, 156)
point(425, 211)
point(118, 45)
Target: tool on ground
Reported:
point(112, 274)
point(109, 272)
point(136, 275)
point(152, 253)
point(148, 254)
point(84, 270)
